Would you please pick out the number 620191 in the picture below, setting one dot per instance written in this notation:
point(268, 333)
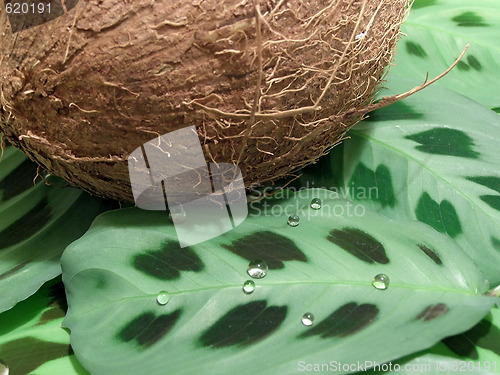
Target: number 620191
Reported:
point(25, 8)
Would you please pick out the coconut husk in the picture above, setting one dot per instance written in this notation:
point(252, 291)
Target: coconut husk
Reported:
point(270, 86)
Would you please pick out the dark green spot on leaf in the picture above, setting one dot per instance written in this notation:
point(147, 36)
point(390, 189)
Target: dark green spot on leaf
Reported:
point(495, 242)
point(268, 246)
point(147, 329)
point(377, 186)
point(26, 226)
point(423, 3)
point(415, 49)
point(384, 186)
point(360, 244)
point(443, 217)
point(460, 345)
point(431, 254)
point(492, 200)
point(19, 180)
point(244, 325)
point(484, 335)
point(57, 305)
point(444, 141)
point(432, 312)
point(463, 66)
point(395, 112)
point(345, 321)
point(167, 262)
point(492, 182)
point(14, 270)
point(469, 19)
point(100, 281)
point(27, 354)
point(474, 63)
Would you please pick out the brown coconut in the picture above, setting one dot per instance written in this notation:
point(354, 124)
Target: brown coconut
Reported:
point(270, 85)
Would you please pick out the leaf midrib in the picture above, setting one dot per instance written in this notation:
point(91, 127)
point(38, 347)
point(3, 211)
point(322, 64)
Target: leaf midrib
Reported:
point(275, 284)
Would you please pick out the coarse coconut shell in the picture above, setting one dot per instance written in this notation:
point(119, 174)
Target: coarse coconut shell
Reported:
point(270, 85)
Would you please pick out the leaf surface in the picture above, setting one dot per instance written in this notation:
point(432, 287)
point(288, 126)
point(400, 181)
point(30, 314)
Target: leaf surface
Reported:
point(130, 259)
point(432, 157)
point(37, 222)
point(476, 351)
point(436, 33)
point(31, 338)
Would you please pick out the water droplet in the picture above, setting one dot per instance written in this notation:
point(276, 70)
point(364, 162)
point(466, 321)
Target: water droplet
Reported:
point(4, 369)
point(316, 204)
point(381, 281)
point(248, 286)
point(308, 319)
point(163, 297)
point(293, 220)
point(257, 269)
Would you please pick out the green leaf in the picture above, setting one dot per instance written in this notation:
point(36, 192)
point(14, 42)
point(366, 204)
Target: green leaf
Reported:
point(140, 303)
point(31, 338)
point(37, 222)
point(437, 32)
point(476, 351)
point(440, 167)
point(484, 335)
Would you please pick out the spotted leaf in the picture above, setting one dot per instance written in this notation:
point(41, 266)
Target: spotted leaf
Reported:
point(475, 351)
point(32, 340)
point(37, 221)
point(122, 319)
point(443, 169)
point(437, 30)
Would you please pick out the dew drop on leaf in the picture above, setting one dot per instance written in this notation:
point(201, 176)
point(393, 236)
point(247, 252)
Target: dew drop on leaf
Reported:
point(248, 287)
point(257, 269)
point(316, 204)
point(381, 281)
point(293, 220)
point(308, 319)
point(162, 298)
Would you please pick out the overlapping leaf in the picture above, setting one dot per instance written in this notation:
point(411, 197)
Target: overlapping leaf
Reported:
point(438, 30)
point(36, 223)
point(325, 266)
point(32, 340)
point(476, 351)
point(433, 157)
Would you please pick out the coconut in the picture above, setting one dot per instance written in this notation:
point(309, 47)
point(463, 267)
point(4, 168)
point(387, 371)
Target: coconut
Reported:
point(270, 85)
